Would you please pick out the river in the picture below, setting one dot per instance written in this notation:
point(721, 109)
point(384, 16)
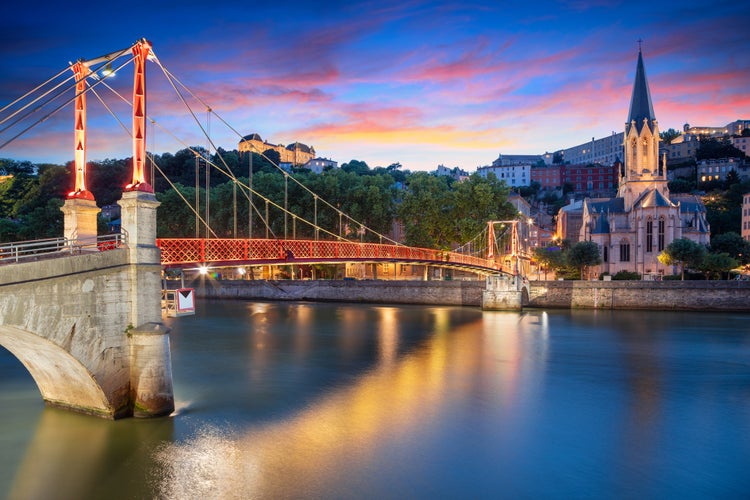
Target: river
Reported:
point(300, 400)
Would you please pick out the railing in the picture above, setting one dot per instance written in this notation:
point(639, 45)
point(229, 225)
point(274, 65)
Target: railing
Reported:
point(56, 247)
point(180, 251)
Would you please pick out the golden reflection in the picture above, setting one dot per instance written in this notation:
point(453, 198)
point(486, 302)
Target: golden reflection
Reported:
point(398, 402)
point(351, 334)
point(388, 334)
point(70, 453)
point(303, 320)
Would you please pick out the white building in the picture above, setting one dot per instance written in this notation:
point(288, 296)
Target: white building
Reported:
point(317, 165)
point(605, 151)
point(513, 175)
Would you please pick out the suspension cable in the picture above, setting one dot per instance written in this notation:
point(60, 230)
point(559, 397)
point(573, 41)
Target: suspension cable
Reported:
point(363, 226)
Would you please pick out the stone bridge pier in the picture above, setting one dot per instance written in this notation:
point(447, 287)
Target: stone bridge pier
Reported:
point(505, 293)
point(88, 327)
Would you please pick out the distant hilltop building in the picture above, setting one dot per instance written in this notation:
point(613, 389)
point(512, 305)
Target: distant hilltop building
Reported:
point(454, 173)
point(511, 160)
point(605, 151)
point(514, 175)
point(684, 146)
point(635, 226)
point(295, 153)
point(318, 165)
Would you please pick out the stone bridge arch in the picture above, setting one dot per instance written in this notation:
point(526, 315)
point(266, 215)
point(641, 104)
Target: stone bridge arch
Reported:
point(58, 375)
point(88, 327)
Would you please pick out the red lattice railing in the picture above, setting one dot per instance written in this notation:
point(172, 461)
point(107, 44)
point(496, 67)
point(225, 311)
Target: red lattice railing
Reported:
point(187, 251)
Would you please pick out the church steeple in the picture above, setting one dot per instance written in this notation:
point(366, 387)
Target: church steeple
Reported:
point(641, 143)
point(640, 102)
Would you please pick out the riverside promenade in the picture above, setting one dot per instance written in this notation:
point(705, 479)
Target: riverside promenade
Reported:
point(633, 295)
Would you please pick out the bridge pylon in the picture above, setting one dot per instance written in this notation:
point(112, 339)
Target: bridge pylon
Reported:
point(151, 392)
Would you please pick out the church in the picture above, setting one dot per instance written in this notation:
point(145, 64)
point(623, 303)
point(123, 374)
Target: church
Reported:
point(633, 228)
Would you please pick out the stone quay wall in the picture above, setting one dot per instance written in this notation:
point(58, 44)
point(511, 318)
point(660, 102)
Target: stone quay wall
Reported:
point(456, 293)
point(654, 295)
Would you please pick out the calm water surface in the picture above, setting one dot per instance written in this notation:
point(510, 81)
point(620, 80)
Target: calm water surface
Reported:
point(291, 400)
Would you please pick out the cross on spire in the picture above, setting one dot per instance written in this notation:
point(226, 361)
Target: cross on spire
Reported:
point(640, 41)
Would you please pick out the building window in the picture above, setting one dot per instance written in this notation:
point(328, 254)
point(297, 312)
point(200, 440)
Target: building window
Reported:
point(625, 252)
point(605, 253)
point(661, 234)
point(649, 235)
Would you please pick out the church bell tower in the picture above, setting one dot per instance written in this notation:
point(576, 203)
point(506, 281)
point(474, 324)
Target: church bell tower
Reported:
point(641, 143)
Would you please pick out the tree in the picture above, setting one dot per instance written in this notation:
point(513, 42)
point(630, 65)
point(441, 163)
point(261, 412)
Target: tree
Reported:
point(683, 252)
point(549, 258)
point(732, 178)
point(356, 167)
point(668, 135)
point(582, 255)
point(425, 211)
point(732, 244)
point(716, 263)
point(712, 148)
point(681, 186)
point(478, 200)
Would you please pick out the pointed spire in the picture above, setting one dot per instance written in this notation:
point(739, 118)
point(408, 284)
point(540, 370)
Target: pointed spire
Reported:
point(640, 102)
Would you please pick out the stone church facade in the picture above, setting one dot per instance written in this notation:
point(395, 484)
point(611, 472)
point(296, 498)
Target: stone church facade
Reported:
point(634, 227)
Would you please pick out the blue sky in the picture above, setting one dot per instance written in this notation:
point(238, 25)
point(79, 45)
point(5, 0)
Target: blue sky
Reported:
point(415, 82)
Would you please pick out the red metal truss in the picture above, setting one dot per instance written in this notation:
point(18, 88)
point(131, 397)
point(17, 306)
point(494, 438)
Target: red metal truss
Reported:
point(198, 251)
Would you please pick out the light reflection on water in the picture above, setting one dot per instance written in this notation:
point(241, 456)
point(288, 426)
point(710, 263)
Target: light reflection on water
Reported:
point(299, 400)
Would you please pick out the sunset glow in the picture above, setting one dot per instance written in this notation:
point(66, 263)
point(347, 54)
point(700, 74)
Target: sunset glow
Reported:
point(415, 82)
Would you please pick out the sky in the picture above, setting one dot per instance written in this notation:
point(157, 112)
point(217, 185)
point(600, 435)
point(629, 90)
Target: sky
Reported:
point(412, 82)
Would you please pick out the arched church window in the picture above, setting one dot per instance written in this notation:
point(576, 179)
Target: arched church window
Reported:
point(624, 251)
point(645, 147)
point(634, 147)
point(662, 226)
point(649, 235)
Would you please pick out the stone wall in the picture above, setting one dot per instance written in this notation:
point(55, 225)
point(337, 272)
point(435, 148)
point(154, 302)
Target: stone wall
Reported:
point(458, 293)
point(656, 295)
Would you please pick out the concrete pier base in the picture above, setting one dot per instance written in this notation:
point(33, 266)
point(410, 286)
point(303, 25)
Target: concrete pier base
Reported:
point(151, 392)
point(502, 293)
point(80, 217)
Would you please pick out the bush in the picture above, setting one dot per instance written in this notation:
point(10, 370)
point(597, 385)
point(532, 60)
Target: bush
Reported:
point(626, 276)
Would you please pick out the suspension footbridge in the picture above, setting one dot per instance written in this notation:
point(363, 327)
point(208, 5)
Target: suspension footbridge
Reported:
point(91, 303)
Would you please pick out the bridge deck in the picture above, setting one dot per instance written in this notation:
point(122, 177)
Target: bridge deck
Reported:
point(182, 252)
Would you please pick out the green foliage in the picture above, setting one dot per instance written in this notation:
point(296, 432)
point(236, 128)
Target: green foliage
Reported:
point(683, 252)
point(716, 264)
point(549, 258)
point(733, 245)
point(668, 135)
point(681, 186)
point(437, 213)
point(583, 255)
point(712, 148)
point(626, 276)
point(529, 191)
point(724, 207)
point(356, 167)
